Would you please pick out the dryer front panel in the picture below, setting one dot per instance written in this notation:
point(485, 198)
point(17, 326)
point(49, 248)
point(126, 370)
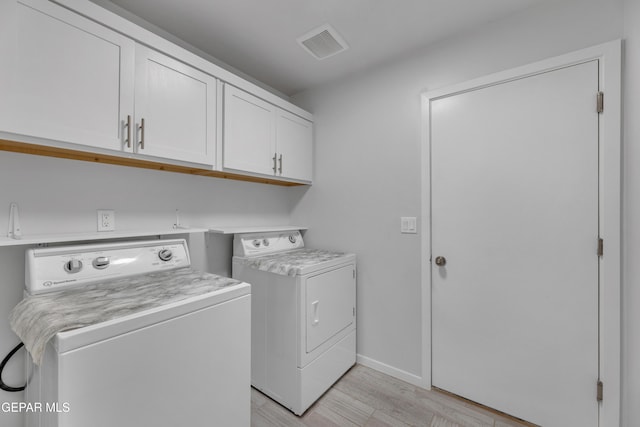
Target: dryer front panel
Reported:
point(330, 300)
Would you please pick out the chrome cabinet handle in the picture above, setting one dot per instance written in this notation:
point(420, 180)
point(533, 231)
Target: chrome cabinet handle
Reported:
point(128, 126)
point(280, 168)
point(441, 261)
point(141, 134)
point(275, 156)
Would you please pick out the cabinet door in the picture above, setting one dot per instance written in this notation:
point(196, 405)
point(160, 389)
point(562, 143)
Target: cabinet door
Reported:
point(178, 105)
point(294, 143)
point(63, 77)
point(249, 132)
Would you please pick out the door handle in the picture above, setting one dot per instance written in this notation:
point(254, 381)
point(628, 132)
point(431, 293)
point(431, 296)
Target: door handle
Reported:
point(441, 261)
point(128, 126)
point(141, 143)
point(316, 314)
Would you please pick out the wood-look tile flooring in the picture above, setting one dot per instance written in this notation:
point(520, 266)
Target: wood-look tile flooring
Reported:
point(365, 397)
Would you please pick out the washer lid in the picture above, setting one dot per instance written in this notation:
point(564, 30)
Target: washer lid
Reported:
point(102, 310)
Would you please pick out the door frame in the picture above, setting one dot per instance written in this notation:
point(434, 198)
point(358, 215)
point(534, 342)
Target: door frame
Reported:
point(609, 56)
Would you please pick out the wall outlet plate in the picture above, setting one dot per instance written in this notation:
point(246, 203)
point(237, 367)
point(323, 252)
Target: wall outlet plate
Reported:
point(106, 220)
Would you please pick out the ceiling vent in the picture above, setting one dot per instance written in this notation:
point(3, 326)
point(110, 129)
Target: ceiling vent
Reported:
point(323, 42)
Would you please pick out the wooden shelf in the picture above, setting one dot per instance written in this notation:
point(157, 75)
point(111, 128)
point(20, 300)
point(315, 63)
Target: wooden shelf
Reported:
point(254, 229)
point(128, 160)
point(36, 239)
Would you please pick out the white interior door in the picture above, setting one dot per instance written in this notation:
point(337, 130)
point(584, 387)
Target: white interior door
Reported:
point(515, 215)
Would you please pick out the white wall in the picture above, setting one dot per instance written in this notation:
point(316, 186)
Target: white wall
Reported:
point(368, 159)
point(631, 214)
point(57, 195)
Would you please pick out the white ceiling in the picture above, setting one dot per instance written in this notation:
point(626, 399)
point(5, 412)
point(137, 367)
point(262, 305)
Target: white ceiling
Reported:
point(258, 37)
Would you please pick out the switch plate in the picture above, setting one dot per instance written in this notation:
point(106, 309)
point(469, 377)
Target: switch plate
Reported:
point(408, 225)
point(106, 220)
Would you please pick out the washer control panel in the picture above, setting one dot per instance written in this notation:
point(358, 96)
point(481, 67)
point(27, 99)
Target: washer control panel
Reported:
point(255, 244)
point(51, 269)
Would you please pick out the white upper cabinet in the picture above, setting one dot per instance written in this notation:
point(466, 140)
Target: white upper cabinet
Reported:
point(75, 76)
point(249, 133)
point(72, 80)
point(264, 139)
point(294, 137)
point(175, 110)
point(63, 77)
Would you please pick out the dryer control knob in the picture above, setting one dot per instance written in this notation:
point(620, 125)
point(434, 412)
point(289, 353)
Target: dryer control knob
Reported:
point(73, 266)
point(165, 254)
point(292, 238)
point(257, 243)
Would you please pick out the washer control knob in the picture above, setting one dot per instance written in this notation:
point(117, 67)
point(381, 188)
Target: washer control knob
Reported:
point(292, 238)
point(73, 266)
point(257, 243)
point(165, 254)
point(265, 242)
point(101, 262)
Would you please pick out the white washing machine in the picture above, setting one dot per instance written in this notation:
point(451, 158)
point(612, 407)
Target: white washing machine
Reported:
point(128, 335)
point(303, 315)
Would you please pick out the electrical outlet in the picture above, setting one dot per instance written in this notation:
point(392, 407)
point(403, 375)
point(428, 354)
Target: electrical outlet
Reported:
point(106, 220)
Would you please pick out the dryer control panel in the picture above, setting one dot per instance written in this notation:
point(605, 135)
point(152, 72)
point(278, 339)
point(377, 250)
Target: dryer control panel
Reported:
point(254, 244)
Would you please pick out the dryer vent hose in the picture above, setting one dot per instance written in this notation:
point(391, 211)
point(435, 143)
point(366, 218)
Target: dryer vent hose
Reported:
point(3, 386)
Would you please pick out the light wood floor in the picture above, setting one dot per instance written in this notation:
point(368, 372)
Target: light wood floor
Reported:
point(365, 397)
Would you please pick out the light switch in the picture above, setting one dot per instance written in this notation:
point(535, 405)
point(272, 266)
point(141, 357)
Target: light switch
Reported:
point(408, 225)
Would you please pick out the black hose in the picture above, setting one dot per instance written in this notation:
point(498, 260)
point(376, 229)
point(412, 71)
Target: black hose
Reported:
point(3, 386)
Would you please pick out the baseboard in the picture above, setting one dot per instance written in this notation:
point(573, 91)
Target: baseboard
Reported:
point(390, 370)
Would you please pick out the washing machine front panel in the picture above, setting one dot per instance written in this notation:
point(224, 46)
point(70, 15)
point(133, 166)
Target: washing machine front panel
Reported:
point(165, 346)
point(167, 374)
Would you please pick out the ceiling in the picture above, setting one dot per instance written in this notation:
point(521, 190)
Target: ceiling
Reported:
point(258, 37)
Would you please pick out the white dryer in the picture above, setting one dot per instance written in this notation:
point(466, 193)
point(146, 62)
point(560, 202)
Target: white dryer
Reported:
point(303, 315)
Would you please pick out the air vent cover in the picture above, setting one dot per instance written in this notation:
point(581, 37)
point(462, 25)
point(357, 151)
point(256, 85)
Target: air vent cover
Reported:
point(323, 42)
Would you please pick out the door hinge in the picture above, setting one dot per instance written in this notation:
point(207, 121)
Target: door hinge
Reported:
point(599, 391)
point(600, 102)
point(600, 247)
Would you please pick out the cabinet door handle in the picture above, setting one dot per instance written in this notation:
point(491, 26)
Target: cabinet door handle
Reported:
point(280, 168)
point(128, 126)
point(141, 134)
point(275, 156)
